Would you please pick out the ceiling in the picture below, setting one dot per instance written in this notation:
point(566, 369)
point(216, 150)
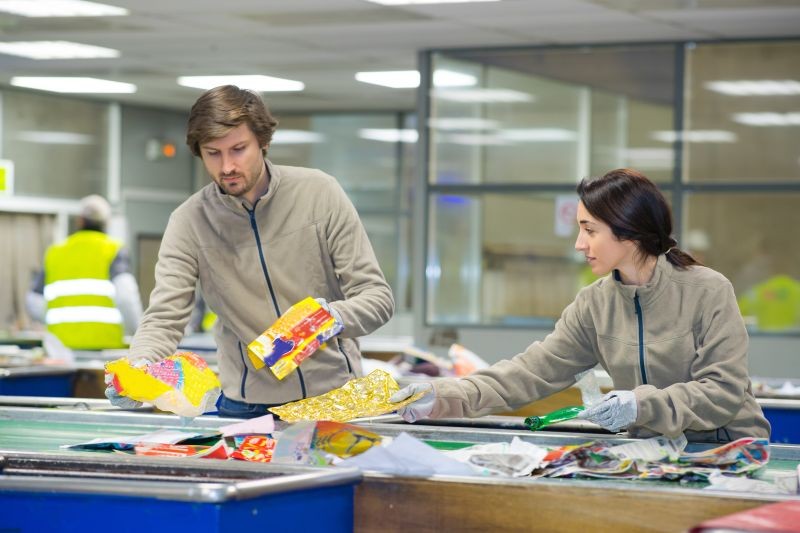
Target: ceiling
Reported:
point(323, 43)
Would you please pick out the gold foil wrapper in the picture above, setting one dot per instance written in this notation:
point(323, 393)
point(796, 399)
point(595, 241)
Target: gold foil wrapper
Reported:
point(360, 397)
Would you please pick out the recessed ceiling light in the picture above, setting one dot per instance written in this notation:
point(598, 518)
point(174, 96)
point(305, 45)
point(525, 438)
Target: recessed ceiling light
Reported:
point(296, 137)
point(463, 123)
point(538, 134)
point(73, 85)
point(481, 96)
point(54, 137)
point(407, 2)
point(396, 79)
point(768, 119)
point(60, 8)
point(696, 136)
point(388, 135)
point(409, 79)
point(55, 50)
point(263, 84)
point(754, 87)
point(450, 78)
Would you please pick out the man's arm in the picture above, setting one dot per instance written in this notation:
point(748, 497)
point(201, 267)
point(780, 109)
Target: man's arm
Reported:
point(368, 302)
point(164, 321)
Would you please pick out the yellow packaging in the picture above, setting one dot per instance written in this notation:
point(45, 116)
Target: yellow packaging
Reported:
point(298, 333)
point(360, 397)
point(181, 383)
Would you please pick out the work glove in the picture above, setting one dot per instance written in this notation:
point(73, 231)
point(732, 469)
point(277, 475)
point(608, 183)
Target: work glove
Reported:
point(615, 411)
point(419, 409)
point(337, 318)
point(116, 399)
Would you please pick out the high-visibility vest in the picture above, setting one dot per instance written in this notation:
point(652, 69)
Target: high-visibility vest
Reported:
point(775, 303)
point(80, 296)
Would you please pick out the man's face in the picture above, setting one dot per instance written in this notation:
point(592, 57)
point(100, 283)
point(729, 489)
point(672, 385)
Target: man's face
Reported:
point(236, 164)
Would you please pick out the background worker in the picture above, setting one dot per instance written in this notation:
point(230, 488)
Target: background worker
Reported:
point(257, 240)
point(86, 294)
point(666, 329)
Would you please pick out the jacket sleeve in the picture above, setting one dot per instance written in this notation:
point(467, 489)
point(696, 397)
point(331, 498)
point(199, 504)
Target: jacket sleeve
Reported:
point(368, 302)
point(164, 321)
point(542, 369)
point(719, 374)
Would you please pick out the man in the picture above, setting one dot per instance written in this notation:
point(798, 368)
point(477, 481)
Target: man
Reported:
point(86, 294)
point(258, 239)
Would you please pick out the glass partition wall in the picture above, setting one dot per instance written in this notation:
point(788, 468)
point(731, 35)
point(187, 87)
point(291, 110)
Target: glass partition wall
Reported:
point(510, 132)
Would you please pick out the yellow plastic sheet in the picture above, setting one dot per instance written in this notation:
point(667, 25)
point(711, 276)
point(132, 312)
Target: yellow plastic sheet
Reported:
point(182, 383)
point(360, 397)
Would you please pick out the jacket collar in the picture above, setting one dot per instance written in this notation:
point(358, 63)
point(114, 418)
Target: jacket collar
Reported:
point(649, 291)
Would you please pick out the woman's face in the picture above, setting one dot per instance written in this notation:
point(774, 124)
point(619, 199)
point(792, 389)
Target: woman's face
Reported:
point(603, 251)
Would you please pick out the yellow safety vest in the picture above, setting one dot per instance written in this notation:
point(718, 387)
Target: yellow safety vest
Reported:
point(775, 303)
point(79, 293)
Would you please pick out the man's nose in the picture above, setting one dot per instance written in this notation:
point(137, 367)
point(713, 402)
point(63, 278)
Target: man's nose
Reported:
point(227, 164)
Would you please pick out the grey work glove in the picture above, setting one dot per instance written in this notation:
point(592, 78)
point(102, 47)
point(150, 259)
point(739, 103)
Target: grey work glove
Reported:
point(615, 411)
point(116, 399)
point(419, 409)
point(337, 318)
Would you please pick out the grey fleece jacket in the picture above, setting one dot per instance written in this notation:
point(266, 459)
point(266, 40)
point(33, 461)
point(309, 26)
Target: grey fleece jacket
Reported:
point(302, 238)
point(679, 342)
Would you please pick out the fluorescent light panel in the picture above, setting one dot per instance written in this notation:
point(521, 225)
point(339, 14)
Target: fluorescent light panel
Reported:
point(696, 136)
point(54, 137)
point(768, 119)
point(754, 87)
point(296, 137)
point(73, 85)
point(409, 2)
point(265, 84)
point(409, 79)
point(60, 8)
point(388, 135)
point(395, 79)
point(481, 96)
point(55, 50)
point(463, 123)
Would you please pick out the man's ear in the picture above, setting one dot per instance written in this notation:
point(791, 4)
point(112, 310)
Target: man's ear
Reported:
point(264, 149)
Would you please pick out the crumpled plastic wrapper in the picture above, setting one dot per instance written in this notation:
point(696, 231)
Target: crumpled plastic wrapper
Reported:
point(360, 397)
point(299, 332)
point(181, 383)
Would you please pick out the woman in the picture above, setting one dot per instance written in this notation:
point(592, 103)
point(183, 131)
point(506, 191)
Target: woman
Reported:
point(665, 328)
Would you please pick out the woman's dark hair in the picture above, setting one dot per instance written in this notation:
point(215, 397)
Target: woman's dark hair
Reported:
point(635, 209)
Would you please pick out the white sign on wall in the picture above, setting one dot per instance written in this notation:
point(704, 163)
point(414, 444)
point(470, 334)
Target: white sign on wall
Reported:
point(565, 213)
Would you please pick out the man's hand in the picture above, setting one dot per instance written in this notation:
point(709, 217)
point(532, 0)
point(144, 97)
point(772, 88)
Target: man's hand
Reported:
point(419, 409)
point(615, 411)
point(337, 318)
point(117, 400)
